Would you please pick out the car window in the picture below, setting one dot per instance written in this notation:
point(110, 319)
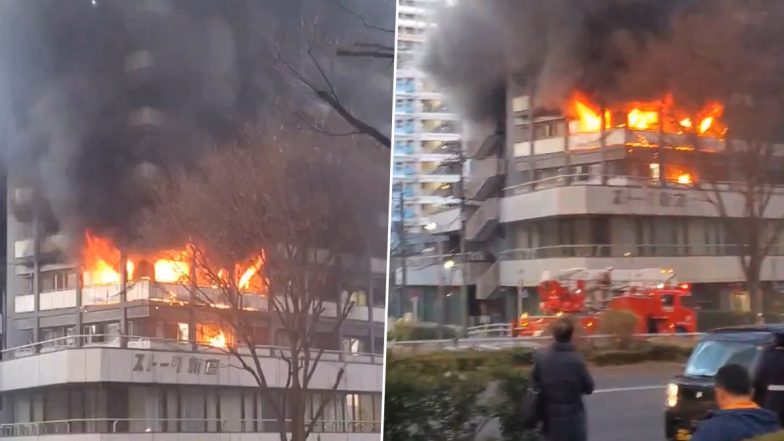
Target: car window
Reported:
point(709, 356)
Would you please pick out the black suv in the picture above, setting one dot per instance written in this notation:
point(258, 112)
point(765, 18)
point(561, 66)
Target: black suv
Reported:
point(690, 395)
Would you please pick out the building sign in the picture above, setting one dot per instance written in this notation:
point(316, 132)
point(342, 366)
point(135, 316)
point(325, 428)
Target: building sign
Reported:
point(146, 362)
point(655, 198)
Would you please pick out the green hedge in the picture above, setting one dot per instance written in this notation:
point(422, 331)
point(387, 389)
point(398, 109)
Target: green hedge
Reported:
point(452, 396)
point(406, 332)
point(779, 436)
point(708, 320)
point(656, 352)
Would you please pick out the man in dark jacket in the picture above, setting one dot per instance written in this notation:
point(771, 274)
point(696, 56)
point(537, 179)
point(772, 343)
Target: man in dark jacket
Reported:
point(562, 377)
point(769, 382)
point(738, 417)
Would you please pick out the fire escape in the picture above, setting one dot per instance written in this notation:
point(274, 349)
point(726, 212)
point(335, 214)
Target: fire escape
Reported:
point(484, 188)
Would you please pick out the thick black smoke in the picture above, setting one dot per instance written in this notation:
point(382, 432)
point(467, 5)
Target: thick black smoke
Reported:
point(613, 50)
point(103, 97)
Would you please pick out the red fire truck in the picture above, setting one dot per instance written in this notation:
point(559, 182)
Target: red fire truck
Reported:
point(653, 294)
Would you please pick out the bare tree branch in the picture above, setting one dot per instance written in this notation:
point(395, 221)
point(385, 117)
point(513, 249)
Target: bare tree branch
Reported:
point(363, 20)
point(365, 53)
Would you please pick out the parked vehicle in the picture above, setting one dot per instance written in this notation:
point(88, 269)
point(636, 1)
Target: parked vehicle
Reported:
point(690, 395)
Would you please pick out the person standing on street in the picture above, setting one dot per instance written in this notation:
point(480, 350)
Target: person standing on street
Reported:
point(769, 382)
point(738, 418)
point(562, 377)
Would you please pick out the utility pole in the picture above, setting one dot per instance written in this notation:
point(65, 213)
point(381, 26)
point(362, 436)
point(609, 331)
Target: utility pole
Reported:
point(603, 144)
point(403, 246)
point(660, 150)
point(463, 282)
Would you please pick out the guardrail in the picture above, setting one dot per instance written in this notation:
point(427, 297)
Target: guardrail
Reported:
point(174, 425)
point(479, 342)
point(591, 179)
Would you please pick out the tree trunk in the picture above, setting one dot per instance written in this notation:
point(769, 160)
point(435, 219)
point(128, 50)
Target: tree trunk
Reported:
point(298, 408)
point(753, 284)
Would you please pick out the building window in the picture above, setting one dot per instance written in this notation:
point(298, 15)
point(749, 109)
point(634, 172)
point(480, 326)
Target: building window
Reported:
point(58, 337)
point(108, 332)
point(353, 346)
point(358, 298)
point(655, 172)
point(58, 280)
point(183, 332)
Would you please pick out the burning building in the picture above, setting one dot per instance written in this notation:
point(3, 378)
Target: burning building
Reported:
point(597, 126)
point(106, 99)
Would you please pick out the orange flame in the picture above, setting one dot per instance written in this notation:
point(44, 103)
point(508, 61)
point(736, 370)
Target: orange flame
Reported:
point(642, 119)
point(247, 275)
point(684, 178)
point(101, 264)
point(218, 341)
point(646, 116)
point(590, 119)
point(102, 259)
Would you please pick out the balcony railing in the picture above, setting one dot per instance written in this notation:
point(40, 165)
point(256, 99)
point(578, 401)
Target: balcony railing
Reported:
point(481, 223)
point(439, 259)
point(488, 282)
point(163, 293)
point(81, 426)
point(629, 250)
point(584, 179)
point(136, 342)
point(486, 177)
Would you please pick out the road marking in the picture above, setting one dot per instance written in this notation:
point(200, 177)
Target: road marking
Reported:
point(627, 389)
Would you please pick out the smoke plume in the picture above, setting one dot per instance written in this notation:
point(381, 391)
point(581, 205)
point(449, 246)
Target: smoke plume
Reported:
point(612, 50)
point(103, 97)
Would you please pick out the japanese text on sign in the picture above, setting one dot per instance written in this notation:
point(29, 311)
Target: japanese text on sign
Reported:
point(144, 362)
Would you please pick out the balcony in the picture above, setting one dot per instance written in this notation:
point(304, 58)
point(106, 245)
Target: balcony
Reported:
point(445, 221)
point(486, 177)
point(488, 282)
point(440, 114)
point(430, 270)
point(404, 110)
point(622, 195)
point(171, 293)
point(482, 223)
point(145, 118)
point(54, 244)
point(49, 300)
point(405, 88)
point(641, 139)
point(139, 67)
point(526, 266)
point(491, 144)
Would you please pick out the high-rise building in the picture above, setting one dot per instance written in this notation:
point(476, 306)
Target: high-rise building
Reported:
point(428, 133)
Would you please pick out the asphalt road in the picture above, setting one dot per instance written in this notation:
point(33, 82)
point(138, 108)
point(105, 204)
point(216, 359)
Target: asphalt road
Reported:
point(629, 402)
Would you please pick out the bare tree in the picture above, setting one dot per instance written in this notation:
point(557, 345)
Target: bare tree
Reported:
point(740, 183)
point(738, 68)
point(269, 224)
point(315, 69)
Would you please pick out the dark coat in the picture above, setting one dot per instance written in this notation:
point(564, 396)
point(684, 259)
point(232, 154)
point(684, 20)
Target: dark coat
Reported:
point(563, 378)
point(771, 376)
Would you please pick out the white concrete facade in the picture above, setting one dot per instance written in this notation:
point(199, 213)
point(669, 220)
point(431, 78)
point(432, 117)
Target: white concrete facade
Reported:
point(100, 364)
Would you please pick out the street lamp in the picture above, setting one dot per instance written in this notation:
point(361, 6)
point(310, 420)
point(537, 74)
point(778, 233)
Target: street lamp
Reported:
point(449, 264)
point(431, 226)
